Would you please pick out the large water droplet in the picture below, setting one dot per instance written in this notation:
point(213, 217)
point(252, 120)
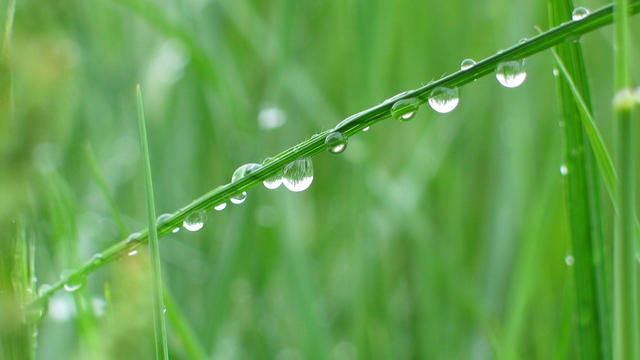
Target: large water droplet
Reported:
point(335, 142)
point(444, 100)
point(579, 13)
point(73, 283)
point(405, 109)
point(511, 74)
point(241, 172)
point(220, 207)
point(298, 175)
point(467, 64)
point(194, 221)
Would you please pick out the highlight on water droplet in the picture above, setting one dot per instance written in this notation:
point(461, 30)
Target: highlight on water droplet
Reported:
point(335, 142)
point(579, 13)
point(564, 170)
point(444, 100)
point(274, 181)
point(132, 253)
point(467, 64)
point(194, 221)
point(366, 128)
point(298, 175)
point(220, 206)
point(555, 72)
point(569, 260)
point(405, 109)
point(97, 259)
point(241, 172)
point(511, 74)
point(72, 283)
point(134, 237)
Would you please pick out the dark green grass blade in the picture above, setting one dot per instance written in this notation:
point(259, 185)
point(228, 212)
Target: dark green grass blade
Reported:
point(583, 204)
point(160, 330)
point(353, 125)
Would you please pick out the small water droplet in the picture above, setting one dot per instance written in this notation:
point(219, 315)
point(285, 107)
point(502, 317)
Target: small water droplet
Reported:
point(569, 260)
point(162, 219)
point(275, 180)
point(194, 221)
point(366, 128)
point(164, 309)
point(405, 109)
point(37, 312)
point(221, 206)
point(298, 175)
point(564, 170)
point(240, 198)
point(73, 283)
point(134, 238)
point(555, 72)
point(132, 253)
point(97, 259)
point(241, 172)
point(579, 13)
point(444, 100)
point(511, 74)
point(175, 230)
point(467, 64)
point(335, 142)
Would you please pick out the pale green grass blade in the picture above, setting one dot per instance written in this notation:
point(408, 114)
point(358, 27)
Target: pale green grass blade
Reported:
point(160, 330)
point(625, 292)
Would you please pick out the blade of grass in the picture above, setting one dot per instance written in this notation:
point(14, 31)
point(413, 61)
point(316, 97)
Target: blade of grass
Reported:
point(625, 313)
point(583, 206)
point(350, 126)
point(160, 330)
point(176, 318)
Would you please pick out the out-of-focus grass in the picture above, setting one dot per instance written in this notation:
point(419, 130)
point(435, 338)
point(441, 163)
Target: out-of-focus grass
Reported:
point(444, 237)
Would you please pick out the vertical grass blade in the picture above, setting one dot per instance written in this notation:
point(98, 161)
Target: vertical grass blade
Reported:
point(160, 330)
point(582, 200)
point(625, 313)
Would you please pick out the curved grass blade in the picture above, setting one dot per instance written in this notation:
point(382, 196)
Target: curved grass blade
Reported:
point(353, 125)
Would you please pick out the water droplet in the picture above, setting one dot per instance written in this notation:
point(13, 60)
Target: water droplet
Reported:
point(366, 128)
point(405, 109)
point(164, 309)
point(241, 172)
point(97, 259)
point(579, 13)
point(569, 260)
point(194, 221)
point(274, 181)
point(240, 198)
point(73, 283)
point(555, 72)
point(298, 175)
point(37, 312)
point(162, 219)
point(335, 142)
point(220, 207)
point(175, 230)
point(467, 64)
point(132, 253)
point(511, 74)
point(134, 238)
point(444, 100)
point(564, 170)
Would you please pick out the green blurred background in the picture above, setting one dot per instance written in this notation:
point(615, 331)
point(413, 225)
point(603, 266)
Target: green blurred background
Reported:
point(441, 238)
